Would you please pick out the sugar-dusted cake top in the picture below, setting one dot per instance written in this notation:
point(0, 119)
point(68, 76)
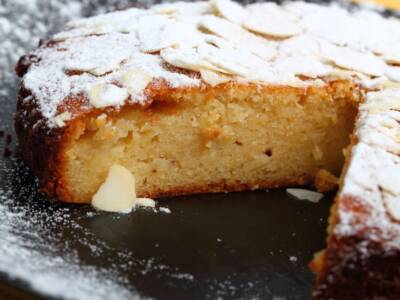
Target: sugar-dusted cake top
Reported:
point(111, 59)
point(372, 180)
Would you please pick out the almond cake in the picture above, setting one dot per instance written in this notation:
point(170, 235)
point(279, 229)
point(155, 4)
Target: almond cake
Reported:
point(214, 96)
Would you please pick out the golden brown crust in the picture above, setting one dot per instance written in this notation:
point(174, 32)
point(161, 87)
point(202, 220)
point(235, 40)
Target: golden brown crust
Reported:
point(33, 133)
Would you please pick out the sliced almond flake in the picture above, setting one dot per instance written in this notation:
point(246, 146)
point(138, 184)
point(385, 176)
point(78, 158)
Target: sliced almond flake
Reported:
point(213, 78)
point(236, 61)
point(386, 123)
point(223, 28)
point(93, 70)
point(165, 210)
point(159, 32)
point(230, 60)
point(303, 45)
point(392, 57)
point(188, 58)
point(271, 8)
point(260, 48)
point(303, 194)
point(62, 118)
point(238, 37)
point(393, 73)
point(117, 193)
point(389, 179)
point(271, 20)
point(182, 8)
point(272, 26)
point(393, 206)
point(135, 81)
point(378, 139)
point(145, 202)
point(80, 56)
point(230, 10)
point(381, 101)
point(299, 65)
point(364, 62)
point(102, 95)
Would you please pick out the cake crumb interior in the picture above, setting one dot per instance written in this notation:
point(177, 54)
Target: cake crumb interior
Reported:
point(231, 137)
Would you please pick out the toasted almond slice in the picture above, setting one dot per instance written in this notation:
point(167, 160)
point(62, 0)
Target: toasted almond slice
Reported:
point(271, 20)
point(182, 8)
point(213, 78)
point(165, 210)
point(381, 101)
point(230, 60)
point(234, 61)
point(347, 58)
point(389, 178)
point(303, 194)
point(145, 202)
point(157, 32)
point(393, 73)
point(188, 58)
point(135, 81)
point(223, 28)
point(393, 207)
point(237, 37)
point(230, 10)
point(62, 118)
point(272, 26)
point(102, 95)
point(302, 65)
point(117, 193)
point(392, 58)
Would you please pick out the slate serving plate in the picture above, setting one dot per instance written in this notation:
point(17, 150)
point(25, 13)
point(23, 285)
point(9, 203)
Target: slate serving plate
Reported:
point(247, 245)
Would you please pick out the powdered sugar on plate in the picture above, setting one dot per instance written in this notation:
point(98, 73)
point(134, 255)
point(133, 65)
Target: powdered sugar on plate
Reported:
point(33, 250)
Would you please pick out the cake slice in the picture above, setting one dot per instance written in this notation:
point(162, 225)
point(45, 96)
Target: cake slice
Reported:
point(363, 252)
point(213, 96)
point(202, 140)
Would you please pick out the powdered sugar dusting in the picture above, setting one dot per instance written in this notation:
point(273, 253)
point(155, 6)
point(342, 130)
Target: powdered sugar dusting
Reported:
point(374, 173)
point(222, 41)
point(33, 250)
point(53, 261)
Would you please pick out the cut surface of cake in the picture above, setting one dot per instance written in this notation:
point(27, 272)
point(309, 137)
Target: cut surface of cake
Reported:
point(214, 96)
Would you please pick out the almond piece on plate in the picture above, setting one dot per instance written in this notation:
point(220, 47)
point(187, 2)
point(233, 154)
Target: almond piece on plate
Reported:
point(117, 193)
point(145, 202)
point(303, 194)
point(393, 207)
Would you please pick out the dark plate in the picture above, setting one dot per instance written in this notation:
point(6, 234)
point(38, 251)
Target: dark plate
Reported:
point(246, 245)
